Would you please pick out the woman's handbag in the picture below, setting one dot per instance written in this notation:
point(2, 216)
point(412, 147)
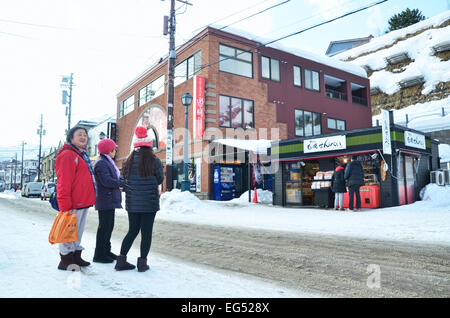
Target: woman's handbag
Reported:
point(64, 228)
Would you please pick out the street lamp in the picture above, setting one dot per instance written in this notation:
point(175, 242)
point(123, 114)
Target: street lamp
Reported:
point(186, 100)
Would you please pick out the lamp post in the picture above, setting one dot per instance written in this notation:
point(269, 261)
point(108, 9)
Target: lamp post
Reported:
point(186, 100)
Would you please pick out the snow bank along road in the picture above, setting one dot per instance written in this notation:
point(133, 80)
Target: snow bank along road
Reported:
point(333, 266)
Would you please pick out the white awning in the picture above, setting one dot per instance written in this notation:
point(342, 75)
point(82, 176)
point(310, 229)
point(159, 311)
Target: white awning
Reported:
point(258, 146)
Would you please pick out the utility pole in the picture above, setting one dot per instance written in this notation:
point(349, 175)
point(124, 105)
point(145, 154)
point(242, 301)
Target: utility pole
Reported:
point(67, 82)
point(170, 94)
point(15, 171)
point(70, 104)
point(170, 91)
point(21, 170)
point(40, 133)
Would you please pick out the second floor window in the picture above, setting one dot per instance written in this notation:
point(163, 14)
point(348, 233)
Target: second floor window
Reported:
point(307, 123)
point(235, 61)
point(235, 112)
point(126, 106)
point(151, 90)
point(270, 68)
point(336, 124)
point(312, 80)
point(297, 75)
point(188, 68)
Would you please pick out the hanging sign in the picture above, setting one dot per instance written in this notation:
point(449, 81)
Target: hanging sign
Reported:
point(415, 140)
point(199, 107)
point(386, 132)
point(169, 150)
point(324, 144)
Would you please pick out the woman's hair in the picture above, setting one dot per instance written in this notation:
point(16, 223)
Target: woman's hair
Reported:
point(72, 131)
point(145, 164)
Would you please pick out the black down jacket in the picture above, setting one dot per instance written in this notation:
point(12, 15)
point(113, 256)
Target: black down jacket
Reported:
point(354, 174)
point(142, 194)
point(337, 181)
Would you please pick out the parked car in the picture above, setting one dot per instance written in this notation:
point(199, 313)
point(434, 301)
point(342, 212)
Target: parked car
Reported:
point(47, 190)
point(32, 189)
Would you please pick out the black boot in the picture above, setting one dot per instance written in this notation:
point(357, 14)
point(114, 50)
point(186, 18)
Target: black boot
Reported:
point(78, 260)
point(101, 257)
point(109, 253)
point(66, 261)
point(122, 264)
point(142, 264)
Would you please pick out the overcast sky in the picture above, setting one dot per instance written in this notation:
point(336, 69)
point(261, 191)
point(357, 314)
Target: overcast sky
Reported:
point(106, 43)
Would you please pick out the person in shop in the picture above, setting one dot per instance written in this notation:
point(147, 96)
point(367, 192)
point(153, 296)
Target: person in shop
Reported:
point(143, 173)
point(338, 187)
point(354, 176)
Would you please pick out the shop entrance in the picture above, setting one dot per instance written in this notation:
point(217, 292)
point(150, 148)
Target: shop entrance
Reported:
point(406, 179)
point(299, 177)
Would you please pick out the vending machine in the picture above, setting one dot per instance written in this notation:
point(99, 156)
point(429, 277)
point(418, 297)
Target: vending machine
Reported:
point(224, 183)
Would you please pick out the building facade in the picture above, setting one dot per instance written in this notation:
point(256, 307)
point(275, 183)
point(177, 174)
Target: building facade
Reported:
point(242, 90)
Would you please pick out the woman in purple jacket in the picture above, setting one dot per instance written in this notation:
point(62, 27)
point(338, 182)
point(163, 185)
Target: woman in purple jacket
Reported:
point(109, 198)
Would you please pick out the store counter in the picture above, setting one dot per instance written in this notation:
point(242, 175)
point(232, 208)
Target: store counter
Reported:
point(370, 197)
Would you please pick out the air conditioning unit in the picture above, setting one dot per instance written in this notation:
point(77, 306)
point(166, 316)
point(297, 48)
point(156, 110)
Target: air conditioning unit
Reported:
point(437, 177)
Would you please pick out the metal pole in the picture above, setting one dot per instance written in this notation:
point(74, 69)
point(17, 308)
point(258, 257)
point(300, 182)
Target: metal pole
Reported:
point(15, 172)
point(21, 169)
point(70, 102)
point(39, 156)
point(186, 183)
point(170, 98)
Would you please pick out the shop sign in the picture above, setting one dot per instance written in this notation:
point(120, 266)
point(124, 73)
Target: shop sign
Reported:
point(324, 144)
point(414, 140)
point(169, 151)
point(386, 132)
point(199, 107)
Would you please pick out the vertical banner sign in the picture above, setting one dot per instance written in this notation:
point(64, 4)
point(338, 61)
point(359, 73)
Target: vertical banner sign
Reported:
point(199, 107)
point(169, 151)
point(386, 132)
point(198, 176)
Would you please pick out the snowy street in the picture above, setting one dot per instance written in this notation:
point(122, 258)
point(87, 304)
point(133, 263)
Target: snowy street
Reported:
point(238, 249)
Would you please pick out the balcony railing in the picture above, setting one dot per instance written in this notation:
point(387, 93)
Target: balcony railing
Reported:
point(331, 93)
point(359, 100)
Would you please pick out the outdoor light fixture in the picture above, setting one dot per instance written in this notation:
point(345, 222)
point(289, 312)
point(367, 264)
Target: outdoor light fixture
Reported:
point(186, 100)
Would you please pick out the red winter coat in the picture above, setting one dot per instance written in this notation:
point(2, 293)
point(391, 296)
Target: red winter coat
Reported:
point(74, 187)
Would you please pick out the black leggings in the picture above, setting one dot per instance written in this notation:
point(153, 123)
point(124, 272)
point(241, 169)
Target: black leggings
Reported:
point(142, 222)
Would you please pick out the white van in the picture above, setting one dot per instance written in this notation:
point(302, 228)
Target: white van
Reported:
point(32, 189)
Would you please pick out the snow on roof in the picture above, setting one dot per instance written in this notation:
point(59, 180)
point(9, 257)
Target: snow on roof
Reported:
point(259, 146)
point(419, 50)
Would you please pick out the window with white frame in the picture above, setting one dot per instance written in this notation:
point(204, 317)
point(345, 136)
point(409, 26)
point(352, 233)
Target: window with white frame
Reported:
point(235, 61)
point(126, 106)
point(336, 124)
point(270, 68)
point(151, 90)
point(188, 68)
point(312, 80)
point(307, 123)
point(297, 75)
point(235, 112)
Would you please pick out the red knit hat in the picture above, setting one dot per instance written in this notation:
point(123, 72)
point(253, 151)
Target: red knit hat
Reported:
point(106, 145)
point(142, 138)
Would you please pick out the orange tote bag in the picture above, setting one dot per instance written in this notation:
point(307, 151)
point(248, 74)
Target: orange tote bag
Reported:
point(64, 228)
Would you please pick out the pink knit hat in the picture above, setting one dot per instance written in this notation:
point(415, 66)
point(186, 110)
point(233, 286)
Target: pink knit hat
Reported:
point(142, 138)
point(106, 145)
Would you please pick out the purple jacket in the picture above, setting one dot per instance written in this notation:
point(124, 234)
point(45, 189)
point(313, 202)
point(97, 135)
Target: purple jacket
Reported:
point(109, 196)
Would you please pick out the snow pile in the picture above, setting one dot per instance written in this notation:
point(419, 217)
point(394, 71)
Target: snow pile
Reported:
point(264, 197)
point(180, 202)
point(11, 194)
point(435, 195)
point(444, 152)
point(425, 117)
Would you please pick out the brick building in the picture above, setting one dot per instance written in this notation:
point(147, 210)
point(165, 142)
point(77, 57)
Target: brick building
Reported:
point(252, 91)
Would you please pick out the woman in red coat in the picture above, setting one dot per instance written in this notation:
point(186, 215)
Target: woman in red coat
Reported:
point(75, 190)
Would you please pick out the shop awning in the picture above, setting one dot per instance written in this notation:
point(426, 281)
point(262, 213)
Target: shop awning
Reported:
point(259, 146)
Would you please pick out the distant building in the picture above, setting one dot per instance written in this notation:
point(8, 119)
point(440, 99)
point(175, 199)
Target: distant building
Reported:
point(336, 47)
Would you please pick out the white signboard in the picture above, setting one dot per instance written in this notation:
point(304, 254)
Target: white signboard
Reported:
point(324, 144)
point(386, 132)
point(169, 150)
point(198, 174)
point(414, 140)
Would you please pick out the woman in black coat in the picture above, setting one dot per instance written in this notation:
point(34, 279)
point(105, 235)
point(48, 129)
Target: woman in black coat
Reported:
point(109, 198)
point(338, 187)
point(143, 173)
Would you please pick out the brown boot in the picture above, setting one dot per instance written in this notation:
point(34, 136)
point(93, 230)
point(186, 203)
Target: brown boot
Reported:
point(142, 264)
point(78, 260)
point(66, 261)
point(122, 264)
